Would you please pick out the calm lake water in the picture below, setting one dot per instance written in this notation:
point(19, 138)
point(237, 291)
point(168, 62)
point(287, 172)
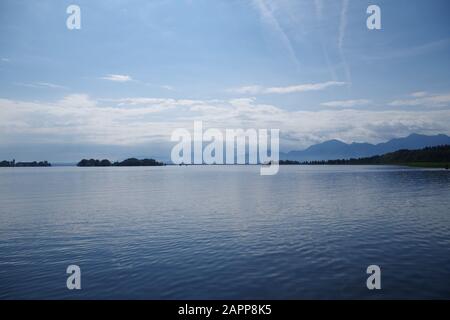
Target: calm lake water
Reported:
point(213, 232)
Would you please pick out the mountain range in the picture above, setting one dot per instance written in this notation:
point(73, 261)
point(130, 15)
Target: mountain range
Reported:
point(335, 149)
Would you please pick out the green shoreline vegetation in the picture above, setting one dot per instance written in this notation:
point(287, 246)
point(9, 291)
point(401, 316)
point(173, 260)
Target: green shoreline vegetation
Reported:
point(430, 157)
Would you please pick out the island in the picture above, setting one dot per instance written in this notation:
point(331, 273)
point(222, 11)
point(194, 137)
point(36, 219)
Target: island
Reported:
point(131, 162)
point(13, 163)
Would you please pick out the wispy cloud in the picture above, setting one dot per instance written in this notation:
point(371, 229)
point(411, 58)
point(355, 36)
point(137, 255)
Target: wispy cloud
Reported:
point(167, 87)
point(346, 103)
point(50, 85)
point(252, 89)
point(40, 85)
point(419, 94)
point(412, 51)
point(117, 78)
point(126, 78)
point(5, 60)
point(305, 87)
point(255, 89)
point(422, 99)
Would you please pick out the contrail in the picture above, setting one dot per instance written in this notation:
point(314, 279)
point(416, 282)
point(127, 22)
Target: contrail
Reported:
point(270, 19)
point(319, 8)
point(342, 28)
point(318, 4)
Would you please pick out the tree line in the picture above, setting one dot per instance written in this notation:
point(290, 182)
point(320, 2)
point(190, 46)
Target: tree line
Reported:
point(13, 163)
point(437, 154)
point(131, 162)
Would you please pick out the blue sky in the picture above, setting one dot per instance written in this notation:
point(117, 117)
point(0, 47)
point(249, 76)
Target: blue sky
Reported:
point(138, 69)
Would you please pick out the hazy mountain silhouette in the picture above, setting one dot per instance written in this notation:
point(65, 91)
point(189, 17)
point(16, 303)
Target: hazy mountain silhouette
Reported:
point(335, 149)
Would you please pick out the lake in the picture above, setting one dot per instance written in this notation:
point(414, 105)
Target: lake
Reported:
point(224, 232)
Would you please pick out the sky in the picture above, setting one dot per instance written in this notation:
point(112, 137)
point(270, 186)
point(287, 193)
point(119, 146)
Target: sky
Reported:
point(139, 69)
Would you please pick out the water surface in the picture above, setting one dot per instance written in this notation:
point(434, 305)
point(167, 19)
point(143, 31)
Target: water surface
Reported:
point(224, 232)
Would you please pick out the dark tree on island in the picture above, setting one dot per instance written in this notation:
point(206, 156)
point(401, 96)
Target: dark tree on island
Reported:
point(94, 163)
point(24, 164)
point(131, 162)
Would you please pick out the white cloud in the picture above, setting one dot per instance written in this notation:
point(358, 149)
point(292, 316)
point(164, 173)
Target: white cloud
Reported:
point(76, 101)
point(346, 103)
point(419, 94)
point(5, 59)
point(117, 78)
point(255, 89)
point(442, 100)
point(130, 121)
point(168, 102)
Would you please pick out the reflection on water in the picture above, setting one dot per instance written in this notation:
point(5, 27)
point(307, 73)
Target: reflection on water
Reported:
point(224, 232)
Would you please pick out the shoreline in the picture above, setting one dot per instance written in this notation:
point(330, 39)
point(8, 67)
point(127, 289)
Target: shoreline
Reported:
point(431, 165)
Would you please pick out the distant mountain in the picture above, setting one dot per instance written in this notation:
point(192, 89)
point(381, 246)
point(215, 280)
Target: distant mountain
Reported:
point(335, 149)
